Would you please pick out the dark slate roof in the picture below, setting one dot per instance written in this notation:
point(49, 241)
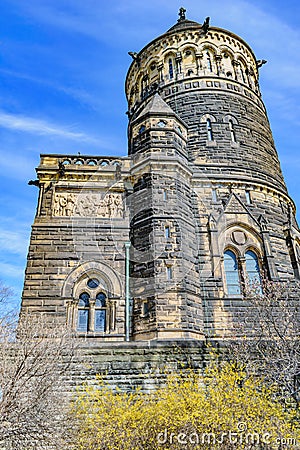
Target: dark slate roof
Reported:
point(184, 25)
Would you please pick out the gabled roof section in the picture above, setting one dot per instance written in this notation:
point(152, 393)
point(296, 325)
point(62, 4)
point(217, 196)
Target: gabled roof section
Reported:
point(235, 210)
point(235, 205)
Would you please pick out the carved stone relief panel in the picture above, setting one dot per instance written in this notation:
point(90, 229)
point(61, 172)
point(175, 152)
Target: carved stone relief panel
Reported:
point(70, 204)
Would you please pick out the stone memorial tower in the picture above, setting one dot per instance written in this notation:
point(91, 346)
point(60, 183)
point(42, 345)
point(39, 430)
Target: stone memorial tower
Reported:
point(158, 245)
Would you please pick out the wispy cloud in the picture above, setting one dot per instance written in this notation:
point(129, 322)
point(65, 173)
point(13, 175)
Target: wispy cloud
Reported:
point(40, 127)
point(97, 19)
point(78, 94)
point(8, 270)
point(15, 242)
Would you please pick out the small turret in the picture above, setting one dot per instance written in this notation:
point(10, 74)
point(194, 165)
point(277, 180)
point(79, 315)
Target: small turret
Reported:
point(157, 128)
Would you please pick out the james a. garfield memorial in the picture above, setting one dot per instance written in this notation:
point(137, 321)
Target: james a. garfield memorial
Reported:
point(146, 254)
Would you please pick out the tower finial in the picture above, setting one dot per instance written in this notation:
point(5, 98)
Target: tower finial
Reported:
point(181, 14)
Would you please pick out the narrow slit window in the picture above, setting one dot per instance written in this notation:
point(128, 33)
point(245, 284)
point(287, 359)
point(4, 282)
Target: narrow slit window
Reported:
point(169, 273)
point(145, 308)
point(248, 197)
point(232, 132)
point(209, 130)
point(167, 232)
point(214, 195)
point(165, 197)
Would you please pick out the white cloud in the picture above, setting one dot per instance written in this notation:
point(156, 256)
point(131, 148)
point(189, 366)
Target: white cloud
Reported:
point(40, 127)
point(79, 94)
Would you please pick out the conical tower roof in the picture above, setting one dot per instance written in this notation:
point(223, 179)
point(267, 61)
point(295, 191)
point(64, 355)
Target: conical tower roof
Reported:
point(183, 23)
point(156, 106)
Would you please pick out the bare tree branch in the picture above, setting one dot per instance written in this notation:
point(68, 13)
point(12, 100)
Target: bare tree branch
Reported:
point(34, 359)
point(267, 334)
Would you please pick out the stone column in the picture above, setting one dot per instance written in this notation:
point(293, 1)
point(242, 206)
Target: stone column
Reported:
point(91, 324)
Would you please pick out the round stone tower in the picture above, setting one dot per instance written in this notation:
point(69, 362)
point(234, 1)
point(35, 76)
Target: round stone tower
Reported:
point(203, 81)
point(209, 77)
point(201, 198)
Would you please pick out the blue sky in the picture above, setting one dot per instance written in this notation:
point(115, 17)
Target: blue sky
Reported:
point(62, 69)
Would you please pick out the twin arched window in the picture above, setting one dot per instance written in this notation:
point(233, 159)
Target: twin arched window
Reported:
point(209, 120)
point(236, 272)
point(91, 313)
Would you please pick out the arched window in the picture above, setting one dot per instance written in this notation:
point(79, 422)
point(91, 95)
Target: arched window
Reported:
point(100, 312)
point(232, 273)
point(83, 312)
point(209, 130)
point(171, 70)
point(208, 60)
point(252, 268)
point(231, 129)
point(243, 76)
point(144, 86)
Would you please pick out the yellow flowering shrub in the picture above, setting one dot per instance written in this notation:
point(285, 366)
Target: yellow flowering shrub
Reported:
point(224, 409)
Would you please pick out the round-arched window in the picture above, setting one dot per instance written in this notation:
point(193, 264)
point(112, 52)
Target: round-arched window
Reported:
point(83, 312)
point(100, 312)
point(252, 269)
point(101, 300)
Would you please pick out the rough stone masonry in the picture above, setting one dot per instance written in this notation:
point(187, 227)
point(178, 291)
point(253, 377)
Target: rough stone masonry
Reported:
point(200, 198)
